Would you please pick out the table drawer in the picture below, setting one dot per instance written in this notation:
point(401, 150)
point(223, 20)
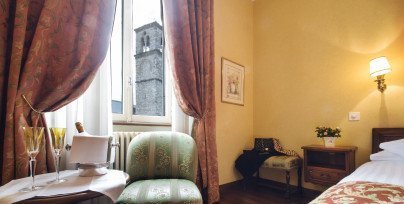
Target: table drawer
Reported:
point(325, 176)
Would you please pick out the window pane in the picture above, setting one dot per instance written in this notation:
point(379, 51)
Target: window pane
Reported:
point(116, 61)
point(148, 69)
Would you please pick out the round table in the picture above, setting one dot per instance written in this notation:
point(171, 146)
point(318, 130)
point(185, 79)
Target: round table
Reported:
point(66, 198)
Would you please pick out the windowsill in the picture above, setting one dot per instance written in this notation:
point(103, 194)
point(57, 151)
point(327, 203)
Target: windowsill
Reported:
point(140, 123)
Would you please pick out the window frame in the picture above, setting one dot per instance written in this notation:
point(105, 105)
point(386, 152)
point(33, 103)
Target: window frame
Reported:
point(128, 83)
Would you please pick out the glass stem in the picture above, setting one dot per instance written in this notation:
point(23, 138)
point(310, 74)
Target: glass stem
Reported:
point(32, 163)
point(57, 166)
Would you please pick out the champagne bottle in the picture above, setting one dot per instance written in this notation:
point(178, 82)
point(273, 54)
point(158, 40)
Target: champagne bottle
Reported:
point(80, 129)
point(81, 132)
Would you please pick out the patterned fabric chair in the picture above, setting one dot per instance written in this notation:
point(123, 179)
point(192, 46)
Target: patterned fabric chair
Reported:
point(162, 167)
point(290, 161)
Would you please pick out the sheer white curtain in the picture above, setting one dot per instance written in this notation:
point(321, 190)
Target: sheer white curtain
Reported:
point(93, 109)
point(180, 122)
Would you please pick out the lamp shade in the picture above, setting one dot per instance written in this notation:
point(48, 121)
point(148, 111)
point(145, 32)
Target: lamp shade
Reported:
point(379, 66)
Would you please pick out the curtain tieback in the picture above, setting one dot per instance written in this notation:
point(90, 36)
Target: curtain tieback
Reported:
point(204, 115)
point(29, 104)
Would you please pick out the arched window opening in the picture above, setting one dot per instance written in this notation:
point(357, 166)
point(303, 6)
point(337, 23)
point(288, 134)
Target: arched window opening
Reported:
point(143, 44)
point(147, 43)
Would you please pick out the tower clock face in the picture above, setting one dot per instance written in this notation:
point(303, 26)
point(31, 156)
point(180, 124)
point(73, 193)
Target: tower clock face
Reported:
point(144, 69)
point(146, 64)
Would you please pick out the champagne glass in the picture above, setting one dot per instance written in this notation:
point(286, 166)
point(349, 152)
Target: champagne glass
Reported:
point(33, 141)
point(58, 143)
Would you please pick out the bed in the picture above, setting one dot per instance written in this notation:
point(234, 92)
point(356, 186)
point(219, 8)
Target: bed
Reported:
point(379, 181)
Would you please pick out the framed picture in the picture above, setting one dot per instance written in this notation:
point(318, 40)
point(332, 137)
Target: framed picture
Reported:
point(232, 82)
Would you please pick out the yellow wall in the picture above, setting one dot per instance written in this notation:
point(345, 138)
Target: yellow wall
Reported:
point(234, 41)
point(311, 68)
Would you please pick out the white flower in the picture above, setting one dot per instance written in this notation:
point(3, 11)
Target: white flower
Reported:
point(325, 133)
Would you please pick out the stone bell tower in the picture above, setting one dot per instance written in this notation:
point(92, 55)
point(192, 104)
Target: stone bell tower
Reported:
point(149, 70)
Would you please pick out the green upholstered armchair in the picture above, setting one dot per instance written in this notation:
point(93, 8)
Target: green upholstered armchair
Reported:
point(162, 167)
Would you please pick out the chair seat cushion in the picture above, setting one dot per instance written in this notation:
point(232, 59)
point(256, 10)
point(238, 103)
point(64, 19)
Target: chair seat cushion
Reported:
point(161, 191)
point(282, 162)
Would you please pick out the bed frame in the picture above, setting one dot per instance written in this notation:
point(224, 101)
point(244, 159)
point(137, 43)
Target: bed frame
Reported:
point(380, 135)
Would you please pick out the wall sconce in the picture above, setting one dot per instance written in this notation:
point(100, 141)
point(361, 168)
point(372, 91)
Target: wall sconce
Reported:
point(378, 68)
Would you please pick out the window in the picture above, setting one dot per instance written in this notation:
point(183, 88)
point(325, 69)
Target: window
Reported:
point(140, 86)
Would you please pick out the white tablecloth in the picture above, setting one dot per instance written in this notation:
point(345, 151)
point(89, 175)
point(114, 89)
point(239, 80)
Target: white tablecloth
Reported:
point(110, 184)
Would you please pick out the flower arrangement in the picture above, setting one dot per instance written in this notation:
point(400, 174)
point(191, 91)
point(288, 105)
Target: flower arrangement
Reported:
point(328, 132)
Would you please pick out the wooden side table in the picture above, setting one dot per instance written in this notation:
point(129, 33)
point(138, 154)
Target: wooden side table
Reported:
point(327, 166)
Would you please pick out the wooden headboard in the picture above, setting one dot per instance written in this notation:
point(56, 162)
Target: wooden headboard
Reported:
point(380, 135)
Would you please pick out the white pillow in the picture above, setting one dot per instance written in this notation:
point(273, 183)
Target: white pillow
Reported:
point(396, 146)
point(386, 156)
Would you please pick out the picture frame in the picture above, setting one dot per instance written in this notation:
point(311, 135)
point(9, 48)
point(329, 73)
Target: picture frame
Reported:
point(232, 82)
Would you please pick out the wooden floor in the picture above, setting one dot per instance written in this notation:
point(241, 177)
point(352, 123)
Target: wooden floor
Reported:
point(234, 193)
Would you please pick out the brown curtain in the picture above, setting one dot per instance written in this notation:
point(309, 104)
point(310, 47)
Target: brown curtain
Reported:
point(190, 47)
point(50, 51)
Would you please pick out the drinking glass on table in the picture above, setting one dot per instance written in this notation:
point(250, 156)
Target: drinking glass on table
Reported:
point(58, 143)
point(33, 142)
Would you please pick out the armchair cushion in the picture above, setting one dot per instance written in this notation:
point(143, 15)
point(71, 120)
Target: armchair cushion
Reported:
point(159, 155)
point(161, 191)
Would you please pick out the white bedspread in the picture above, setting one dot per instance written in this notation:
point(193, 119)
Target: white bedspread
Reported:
point(391, 172)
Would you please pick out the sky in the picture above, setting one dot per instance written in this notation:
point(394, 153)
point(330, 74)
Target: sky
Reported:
point(146, 11)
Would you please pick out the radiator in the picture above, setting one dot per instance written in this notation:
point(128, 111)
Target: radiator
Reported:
point(124, 139)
